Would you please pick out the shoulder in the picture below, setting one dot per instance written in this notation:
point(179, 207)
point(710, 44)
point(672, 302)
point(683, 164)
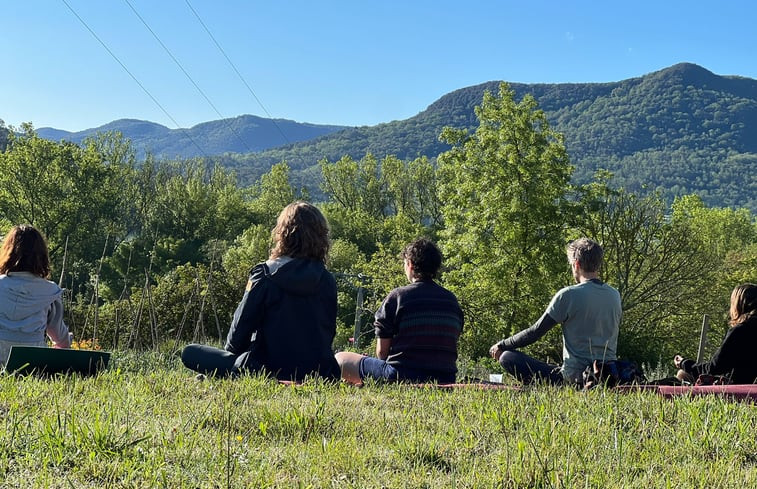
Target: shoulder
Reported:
point(259, 271)
point(566, 291)
point(423, 290)
point(441, 291)
point(31, 282)
point(256, 276)
point(746, 329)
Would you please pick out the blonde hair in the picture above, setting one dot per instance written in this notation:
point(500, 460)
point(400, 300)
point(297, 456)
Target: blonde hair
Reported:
point(301, 232)
point(743, 303)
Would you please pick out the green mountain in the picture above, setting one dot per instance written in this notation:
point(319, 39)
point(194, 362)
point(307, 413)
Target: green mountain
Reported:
point(680, 130)
point(243, 134)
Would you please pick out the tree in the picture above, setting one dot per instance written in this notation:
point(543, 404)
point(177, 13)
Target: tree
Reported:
point(729, 237)
point(375, 204)
point(4, 133)
point(272, 193)
point(503, 192)
point(74, 195)
point(356, 185)
point(663, 273)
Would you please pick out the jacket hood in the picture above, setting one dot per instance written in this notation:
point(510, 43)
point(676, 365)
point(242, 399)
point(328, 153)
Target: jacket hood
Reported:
point(23, 295)
point(298, 275)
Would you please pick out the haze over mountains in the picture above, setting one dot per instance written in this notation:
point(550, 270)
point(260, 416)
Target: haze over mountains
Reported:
point(679, 130)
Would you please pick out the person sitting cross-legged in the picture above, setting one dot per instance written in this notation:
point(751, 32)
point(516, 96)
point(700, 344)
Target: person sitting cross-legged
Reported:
point(286, 321)
point(589, 313)
point(734, 357)
point(417, 327)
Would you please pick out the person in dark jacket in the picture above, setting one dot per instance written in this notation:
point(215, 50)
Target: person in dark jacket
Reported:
point(735, 357)
point(286, 321)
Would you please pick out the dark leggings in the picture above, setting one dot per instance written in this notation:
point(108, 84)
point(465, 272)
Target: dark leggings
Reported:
point(528, 369)
point(210, 360)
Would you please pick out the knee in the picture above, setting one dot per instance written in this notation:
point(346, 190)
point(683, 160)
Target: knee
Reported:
point(189, 355)
point(341, 357)
point(349, 365)
point(509, 358)
point(684, 376)
point(347, 360)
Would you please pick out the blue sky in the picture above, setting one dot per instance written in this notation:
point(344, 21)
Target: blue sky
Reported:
point(336, 62)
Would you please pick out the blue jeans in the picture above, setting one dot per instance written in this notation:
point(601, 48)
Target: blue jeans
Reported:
point(376, 368)
point(528, 369)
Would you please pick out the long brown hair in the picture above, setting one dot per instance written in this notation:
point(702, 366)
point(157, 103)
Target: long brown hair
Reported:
point(25, 250)
point(301, 232)
point(743, 303)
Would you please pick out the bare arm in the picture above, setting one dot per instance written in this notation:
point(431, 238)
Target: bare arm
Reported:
point(382, 347)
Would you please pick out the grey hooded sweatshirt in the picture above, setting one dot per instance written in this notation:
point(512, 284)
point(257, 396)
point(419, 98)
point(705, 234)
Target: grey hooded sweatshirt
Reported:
point(31, 306)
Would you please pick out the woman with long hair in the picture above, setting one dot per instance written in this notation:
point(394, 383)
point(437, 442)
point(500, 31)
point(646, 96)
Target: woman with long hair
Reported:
point(735, 357)
point(286, 322)
point(30, 305)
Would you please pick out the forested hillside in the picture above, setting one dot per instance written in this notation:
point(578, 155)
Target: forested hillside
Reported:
point(680, 130)
point(243, 134)
point(158, 251)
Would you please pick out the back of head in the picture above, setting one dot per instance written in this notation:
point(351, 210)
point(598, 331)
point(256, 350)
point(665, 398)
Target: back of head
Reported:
point(743, 303)
point(25, 250)
point(425, 257)
point(301, 232)
point(588, 253)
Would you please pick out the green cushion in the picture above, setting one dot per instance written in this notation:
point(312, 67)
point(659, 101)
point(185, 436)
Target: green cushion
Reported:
point(39, 359)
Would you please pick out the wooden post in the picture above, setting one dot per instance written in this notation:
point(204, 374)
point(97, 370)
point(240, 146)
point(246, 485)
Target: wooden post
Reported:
point(703, 337)
point(358, 313)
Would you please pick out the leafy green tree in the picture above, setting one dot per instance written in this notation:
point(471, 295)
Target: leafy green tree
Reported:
point(411, 189)
point(503, 192)
point(4, 133)
point(249, 248)
point(74, 195)
point(356, 185)
point(272, 193)
point(663, 273)
point(729, 237)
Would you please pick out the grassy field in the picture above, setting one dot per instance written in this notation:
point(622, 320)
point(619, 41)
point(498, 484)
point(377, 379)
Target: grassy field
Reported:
point(146, 422)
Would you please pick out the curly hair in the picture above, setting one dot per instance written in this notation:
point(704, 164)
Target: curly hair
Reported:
point(25, 250)
point(425, 257)
point(743, 303)
point(301, 232)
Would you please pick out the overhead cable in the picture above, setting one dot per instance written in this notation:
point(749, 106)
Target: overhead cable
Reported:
point(186, 133)
point(224, 119)
point(249, 89)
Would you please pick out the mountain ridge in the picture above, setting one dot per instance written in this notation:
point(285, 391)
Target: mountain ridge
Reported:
point(682, 129)
point(243, 133)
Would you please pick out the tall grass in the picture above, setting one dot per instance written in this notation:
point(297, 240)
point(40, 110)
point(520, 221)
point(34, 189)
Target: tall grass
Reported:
point(147, 423)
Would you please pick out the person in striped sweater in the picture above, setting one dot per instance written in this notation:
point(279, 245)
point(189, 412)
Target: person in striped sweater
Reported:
point(417, 327)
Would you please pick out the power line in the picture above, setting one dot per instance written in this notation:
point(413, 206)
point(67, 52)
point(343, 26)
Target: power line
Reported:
point(249, 89)
point(135, 79)
point(225, 120)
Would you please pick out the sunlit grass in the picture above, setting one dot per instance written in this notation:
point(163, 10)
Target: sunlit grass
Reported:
point(146, 422)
